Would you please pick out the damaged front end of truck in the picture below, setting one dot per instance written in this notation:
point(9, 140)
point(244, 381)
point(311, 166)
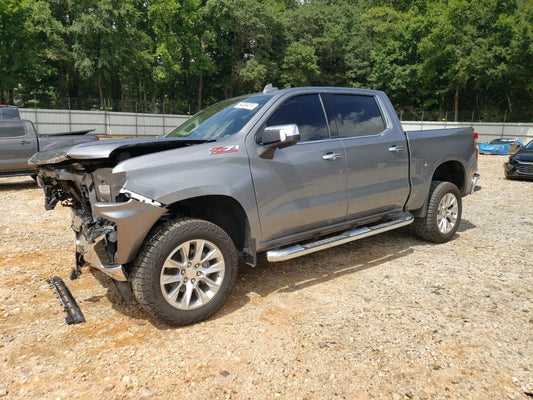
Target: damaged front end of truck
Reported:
point(110, 222)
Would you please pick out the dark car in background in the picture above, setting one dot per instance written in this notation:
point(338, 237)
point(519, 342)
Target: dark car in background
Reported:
point(520, 164)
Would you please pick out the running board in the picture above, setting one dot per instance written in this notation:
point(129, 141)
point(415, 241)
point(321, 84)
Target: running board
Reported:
point(348, 236)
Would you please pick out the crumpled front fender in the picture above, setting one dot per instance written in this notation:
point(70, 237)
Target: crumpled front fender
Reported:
point(133, 220)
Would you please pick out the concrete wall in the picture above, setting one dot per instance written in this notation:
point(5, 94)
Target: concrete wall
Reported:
point(486, 131)
point(103, 122)
point(132, 124)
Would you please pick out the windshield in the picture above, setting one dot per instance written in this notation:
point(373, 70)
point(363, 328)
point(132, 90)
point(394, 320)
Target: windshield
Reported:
point(221, 119)
point(529, 146)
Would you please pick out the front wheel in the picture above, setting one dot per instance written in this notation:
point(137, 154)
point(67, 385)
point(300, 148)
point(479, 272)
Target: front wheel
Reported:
point(185, 271)
point(444, 213)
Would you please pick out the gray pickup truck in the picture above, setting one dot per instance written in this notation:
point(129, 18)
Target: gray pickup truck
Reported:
point(19, 141)
point(286, 172)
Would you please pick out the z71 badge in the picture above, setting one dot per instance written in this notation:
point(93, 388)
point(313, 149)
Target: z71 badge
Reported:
point(224, 149)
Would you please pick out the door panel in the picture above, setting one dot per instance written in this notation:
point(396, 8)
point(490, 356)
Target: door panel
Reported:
point(299, 190)
point(378, 179)
point(303, 186)
point(16, 146)
point(376, 155)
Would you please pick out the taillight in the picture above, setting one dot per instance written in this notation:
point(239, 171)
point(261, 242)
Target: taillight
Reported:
point(476, 136)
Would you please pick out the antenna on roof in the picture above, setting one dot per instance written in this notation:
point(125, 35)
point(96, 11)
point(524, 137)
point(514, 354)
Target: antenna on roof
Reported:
point(269, 88)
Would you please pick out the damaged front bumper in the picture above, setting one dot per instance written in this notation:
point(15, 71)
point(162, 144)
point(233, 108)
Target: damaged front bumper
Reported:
point(110, 221)
point(113, 240)
point(518, 169)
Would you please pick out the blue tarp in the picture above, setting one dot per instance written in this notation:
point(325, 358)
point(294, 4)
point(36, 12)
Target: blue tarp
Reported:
point(494, 148)
point(499, 148)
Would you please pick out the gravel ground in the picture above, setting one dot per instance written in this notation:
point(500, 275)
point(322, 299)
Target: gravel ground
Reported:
point(388, 317)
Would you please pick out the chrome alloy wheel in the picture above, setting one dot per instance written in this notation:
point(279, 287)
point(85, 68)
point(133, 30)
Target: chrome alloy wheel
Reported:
point(192, 274)
point(447, 213)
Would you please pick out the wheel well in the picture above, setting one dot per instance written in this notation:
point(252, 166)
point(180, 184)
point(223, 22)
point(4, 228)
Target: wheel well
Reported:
point(223, 211)
point(451, 171)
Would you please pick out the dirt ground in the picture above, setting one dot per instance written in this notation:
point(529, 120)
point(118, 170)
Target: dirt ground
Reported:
point(388, 317)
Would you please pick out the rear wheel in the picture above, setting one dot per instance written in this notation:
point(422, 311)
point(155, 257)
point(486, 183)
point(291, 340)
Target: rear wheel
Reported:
point(185, 271)
point(444, 213)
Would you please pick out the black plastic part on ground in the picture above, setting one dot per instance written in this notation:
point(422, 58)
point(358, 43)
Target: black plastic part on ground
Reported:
point(74, 314)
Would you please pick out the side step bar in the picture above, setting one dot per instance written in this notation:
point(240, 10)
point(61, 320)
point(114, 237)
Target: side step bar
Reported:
point(332, 241)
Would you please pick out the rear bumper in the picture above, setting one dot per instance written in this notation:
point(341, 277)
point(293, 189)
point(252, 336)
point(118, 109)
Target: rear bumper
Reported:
point(473, 183)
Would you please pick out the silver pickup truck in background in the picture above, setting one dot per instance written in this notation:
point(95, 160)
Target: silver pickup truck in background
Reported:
point(19, 141)
point(286, 172)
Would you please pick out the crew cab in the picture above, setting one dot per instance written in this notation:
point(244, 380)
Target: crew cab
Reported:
point(286, 172)
point(19, 141)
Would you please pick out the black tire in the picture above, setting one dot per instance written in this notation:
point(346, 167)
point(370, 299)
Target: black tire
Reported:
point(443, 216)
point(195, 290)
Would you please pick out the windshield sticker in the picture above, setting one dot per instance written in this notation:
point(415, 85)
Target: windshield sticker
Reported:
point(224, 149)
point(246, 105)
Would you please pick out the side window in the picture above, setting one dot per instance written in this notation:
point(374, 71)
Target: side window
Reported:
point(8, 129)
point(357, 115)
point(306, 111)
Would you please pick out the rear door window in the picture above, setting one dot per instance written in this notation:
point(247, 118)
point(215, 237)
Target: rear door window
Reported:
point(357, 115)
point(9, 129)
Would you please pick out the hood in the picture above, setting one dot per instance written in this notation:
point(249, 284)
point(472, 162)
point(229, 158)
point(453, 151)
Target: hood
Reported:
point(112, 150)
point(523, 155)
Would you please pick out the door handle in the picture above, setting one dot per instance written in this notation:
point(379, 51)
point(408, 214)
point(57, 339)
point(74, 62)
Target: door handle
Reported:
point(395, 148)
point(25, 142)
point(331, 156)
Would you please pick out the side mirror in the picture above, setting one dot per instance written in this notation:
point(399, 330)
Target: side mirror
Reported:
point(278, 137)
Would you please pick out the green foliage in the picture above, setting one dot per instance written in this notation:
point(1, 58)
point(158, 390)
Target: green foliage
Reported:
point(179, 55)
point(299, 66)
point(472, 48)
point(390, 38)
point(30, 43)
point(106, 46)
point(327, 28)
point(247, 40)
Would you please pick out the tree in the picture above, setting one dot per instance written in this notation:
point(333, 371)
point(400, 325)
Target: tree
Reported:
point(246, 42)
point(327, 28)
point(476, 48)
point(180, 49)
point(30, 41)
point(106, 45)
point(386, 45)
point(299, 66)
point(178, 55)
